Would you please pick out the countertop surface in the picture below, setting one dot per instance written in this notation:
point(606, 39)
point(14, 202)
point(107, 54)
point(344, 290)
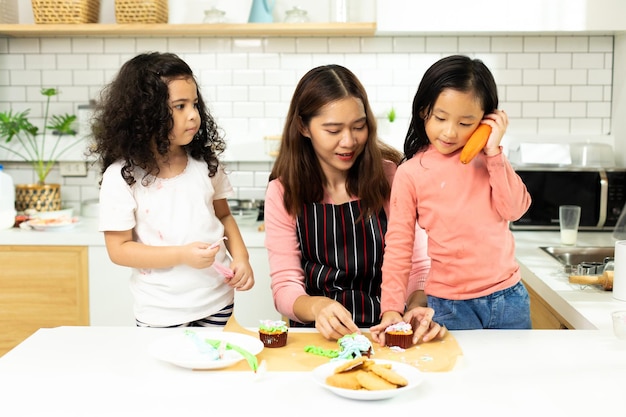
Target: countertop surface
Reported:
point(85, 233)
point(108, 371)
point(584, 307)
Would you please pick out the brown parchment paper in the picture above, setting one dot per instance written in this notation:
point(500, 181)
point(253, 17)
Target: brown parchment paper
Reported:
point(435, 356)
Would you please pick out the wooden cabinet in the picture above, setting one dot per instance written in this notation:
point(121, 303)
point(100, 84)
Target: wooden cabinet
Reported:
point(542, 315)
point(41, 286)
point(186, 30)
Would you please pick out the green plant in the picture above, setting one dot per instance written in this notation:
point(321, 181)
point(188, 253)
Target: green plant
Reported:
point(391, 115)
point(17, 126)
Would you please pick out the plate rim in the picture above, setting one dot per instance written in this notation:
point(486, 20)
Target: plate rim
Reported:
point(363, 394)
point(42, 227)
point(212, 364)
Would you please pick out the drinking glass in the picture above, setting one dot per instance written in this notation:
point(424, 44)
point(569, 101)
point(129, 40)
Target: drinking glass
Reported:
point(569, 220)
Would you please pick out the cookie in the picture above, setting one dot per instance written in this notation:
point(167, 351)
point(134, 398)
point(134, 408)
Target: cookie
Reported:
point(346, 380)
point(373, 382)
point(389, 375)
point(351, 364)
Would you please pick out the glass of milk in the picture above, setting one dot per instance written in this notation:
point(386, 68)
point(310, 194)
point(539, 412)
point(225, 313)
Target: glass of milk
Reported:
point(569, 219)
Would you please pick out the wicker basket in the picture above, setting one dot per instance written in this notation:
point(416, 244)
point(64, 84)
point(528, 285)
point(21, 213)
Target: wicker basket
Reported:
point(141, 11)
point(66, 11)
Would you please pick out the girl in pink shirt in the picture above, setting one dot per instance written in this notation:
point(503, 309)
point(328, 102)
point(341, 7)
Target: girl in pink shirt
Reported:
point(474, 281)
point(326, 210)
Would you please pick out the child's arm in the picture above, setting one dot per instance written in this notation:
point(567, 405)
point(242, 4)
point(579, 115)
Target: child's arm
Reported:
point(123, 250)
point(244, 276)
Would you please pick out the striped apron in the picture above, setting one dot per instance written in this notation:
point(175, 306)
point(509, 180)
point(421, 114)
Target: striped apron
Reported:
point(342, 259)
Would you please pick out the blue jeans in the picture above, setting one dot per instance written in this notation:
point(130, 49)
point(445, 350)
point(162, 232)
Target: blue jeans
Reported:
point(506, 309)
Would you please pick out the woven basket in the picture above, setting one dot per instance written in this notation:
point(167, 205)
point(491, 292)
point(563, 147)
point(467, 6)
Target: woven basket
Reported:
point(141, 11)
point(66, 11)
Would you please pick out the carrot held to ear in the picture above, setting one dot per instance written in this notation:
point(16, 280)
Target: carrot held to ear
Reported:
point(475, 143)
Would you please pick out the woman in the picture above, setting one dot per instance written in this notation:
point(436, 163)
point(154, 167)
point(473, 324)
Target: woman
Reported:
point(326, 210)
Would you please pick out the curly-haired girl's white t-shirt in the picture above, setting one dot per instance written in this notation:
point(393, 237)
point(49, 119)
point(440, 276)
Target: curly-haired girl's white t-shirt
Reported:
point(170, 212)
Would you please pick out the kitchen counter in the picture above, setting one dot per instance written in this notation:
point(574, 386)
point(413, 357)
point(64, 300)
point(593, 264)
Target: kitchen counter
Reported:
point(108, 371)
point(586, 307)
point(85, 233)
point(108, 281)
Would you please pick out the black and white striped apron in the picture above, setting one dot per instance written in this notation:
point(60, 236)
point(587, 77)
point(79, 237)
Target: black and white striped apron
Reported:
point(342, 259)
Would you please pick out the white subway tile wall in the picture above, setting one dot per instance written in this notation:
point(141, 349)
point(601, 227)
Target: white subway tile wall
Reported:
point(547, 84)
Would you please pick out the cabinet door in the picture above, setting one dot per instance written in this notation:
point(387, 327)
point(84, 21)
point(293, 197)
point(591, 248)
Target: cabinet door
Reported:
point(41, 286)
point(111, 302)
point(257, 303)
point(542, 315)
point(486, 16)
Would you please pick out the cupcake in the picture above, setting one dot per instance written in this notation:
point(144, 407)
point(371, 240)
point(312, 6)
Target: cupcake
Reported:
point(273, 333)
point(399, 334)
point(354, 345)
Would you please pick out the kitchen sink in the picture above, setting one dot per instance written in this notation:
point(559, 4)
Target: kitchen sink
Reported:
point(575, 255)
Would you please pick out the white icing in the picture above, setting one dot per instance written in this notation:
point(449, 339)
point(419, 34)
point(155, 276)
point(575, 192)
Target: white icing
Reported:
point(400, 327)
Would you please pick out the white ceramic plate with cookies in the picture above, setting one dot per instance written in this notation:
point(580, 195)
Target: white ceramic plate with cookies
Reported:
point(412, 375)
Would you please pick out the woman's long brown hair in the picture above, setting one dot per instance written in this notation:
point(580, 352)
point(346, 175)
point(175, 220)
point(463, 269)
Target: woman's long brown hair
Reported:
point(297, 166)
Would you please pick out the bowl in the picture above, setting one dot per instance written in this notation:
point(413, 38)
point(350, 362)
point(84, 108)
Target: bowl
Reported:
point(245, 217)
point(619, 323)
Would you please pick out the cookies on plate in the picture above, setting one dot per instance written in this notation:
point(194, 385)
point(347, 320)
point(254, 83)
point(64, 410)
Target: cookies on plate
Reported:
point(362, 373)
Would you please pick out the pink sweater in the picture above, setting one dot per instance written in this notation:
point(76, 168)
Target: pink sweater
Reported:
point(285, 257)
point(465, 210)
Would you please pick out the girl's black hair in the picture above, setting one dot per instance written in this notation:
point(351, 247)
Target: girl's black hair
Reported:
point(456, 72)
point(133, 120)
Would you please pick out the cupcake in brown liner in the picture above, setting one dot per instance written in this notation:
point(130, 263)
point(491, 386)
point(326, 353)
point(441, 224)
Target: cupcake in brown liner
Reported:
point(273, 333)
point(399, 334)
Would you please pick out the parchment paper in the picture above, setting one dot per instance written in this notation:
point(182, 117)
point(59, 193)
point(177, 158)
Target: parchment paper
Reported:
point(434, 356)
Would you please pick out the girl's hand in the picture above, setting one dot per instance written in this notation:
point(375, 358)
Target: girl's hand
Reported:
point(198, 255)
point(243, 279)
point(332, 319)
point(378, 331)
point(499, 121)
point(424, 327)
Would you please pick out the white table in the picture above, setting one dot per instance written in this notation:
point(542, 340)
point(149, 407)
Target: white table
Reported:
point(106, 371)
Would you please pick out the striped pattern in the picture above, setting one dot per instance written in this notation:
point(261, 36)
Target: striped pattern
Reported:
point(218, 319)
point(342, 258)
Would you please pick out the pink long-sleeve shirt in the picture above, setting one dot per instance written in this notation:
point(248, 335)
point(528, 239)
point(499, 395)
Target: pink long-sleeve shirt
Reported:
point(465, 210)
point(287, 275)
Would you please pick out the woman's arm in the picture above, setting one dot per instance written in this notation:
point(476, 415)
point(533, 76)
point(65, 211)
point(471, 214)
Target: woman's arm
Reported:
point(283, 252)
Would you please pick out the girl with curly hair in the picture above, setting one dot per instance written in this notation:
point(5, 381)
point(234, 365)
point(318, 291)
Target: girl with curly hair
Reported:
point(163, 207)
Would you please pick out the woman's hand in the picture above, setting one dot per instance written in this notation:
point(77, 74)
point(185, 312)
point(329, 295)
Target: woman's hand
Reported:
point(424, 327)
point(332, 319)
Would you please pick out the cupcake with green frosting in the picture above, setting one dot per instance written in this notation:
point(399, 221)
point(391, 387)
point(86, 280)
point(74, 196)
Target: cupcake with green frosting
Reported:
point(273, 333)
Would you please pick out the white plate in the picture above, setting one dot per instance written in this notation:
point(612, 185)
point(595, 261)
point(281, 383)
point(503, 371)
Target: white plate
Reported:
point(412, 374)
point(180, 349)
point(53, 226)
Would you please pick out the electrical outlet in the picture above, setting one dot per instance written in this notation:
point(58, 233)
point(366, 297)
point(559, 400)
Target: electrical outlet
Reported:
point(73, 169)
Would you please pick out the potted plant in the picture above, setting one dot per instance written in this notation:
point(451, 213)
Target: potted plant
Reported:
point(391, 115)
point(31, 147)
point(390, 130)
